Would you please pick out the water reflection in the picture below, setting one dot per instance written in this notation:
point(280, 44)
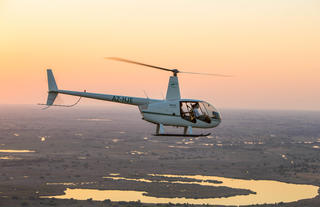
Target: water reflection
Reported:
point(267, 191)
point(9, 158)
point(17, 151)
point(130, 179)
point(71, 184)
point(137, 153)
point(60, 184)
point(178, 147)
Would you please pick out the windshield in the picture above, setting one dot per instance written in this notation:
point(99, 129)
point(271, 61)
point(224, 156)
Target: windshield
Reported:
point(211, 111)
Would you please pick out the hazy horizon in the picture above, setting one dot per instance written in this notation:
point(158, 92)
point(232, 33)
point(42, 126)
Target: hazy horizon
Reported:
point(130, 108)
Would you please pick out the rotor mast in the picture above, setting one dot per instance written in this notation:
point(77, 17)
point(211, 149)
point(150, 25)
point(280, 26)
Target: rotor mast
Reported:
point(175, 72)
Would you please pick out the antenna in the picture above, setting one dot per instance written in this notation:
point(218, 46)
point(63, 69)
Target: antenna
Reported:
point(145, 94)
point(71, 105)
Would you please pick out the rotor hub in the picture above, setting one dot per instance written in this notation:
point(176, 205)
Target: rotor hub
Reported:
point(175, 72)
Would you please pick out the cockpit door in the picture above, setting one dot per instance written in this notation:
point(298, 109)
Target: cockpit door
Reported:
point(186, 111)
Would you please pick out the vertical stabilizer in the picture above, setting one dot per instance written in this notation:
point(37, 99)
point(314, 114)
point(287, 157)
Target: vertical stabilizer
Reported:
point(173, 92)
point(51, 97)
point(52, 86)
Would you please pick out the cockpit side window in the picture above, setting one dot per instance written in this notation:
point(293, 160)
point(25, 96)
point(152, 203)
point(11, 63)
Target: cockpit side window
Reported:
point(192, 110)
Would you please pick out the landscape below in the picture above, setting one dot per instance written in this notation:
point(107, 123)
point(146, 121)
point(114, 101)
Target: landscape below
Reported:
point(89, 148)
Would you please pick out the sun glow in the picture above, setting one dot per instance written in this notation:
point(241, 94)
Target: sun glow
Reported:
point(271, 48)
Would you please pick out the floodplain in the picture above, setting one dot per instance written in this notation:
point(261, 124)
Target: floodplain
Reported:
point(45, 153)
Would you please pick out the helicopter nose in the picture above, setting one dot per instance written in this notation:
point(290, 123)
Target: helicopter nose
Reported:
point(216, 118)
point(216, 115)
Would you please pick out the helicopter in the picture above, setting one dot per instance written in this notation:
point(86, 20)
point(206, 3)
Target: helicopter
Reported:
point(171, 111)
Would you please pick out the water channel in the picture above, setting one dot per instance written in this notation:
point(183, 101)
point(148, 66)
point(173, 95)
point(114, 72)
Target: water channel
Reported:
point(267, 191)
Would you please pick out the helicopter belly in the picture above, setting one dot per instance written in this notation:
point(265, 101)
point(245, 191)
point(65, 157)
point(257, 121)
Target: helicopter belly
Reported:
point(175, 120)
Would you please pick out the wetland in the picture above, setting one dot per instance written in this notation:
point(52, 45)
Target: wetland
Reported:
point(105, 149)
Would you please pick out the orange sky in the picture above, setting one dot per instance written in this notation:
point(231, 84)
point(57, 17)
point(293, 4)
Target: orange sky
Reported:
point(272, 48)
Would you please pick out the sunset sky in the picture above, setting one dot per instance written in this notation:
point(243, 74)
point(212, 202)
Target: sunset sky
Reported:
point(272, 47)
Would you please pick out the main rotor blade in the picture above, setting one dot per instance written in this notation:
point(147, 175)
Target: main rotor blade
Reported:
point(175, 71)
point(211, 74)
point(138, 63)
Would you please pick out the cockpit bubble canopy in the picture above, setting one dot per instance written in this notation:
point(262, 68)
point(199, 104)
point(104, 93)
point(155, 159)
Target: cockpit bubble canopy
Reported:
point(201, 110)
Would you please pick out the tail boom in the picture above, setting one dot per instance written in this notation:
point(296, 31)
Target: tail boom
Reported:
point(54, 91)
point(113, 98)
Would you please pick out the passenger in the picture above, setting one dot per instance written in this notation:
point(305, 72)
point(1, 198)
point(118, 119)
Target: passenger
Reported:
point(196, 110)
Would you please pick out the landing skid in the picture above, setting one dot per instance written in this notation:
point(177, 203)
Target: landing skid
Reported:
point(182, 135)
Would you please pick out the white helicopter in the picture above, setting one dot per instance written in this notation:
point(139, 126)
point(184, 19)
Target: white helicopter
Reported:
point(173, 111)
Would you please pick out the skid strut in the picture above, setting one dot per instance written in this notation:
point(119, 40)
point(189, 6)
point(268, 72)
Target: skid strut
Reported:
point(187, 132)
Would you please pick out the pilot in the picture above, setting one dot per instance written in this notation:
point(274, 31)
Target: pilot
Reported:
point(199, 115)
